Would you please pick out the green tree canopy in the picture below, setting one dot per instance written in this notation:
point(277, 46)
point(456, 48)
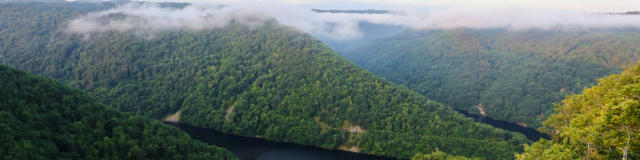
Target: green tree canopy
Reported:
point(601, 123)
point(268, 80)
point(43, 119)
point(507, 75)
point(438, 155)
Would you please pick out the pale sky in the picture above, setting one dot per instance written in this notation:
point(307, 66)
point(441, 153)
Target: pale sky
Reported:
point(579, 5)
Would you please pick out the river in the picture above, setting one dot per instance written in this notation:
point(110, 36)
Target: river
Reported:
point(247, 148)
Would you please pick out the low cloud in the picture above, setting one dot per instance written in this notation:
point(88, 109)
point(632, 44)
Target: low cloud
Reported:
point(515, 19)
point(148, 17)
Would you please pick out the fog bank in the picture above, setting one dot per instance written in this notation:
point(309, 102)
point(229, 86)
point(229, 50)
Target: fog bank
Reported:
point(148, 18)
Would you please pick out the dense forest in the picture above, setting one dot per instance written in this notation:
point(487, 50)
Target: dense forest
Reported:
point(601, 123)
point(439, 155)
point(269, 81)
point(43, 119)
point(507, 75)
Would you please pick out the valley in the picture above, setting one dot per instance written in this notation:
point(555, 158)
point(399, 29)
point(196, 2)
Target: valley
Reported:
point(281, 80)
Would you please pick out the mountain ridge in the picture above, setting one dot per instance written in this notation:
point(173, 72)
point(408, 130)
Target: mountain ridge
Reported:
point(515, 75)
point(44, 119)
point(277, 79)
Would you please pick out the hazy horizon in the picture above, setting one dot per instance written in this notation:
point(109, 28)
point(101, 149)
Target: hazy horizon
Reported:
point(199, 16)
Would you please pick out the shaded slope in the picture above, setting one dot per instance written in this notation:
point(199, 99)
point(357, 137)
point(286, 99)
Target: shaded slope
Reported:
point(513, 76)
point(42, 119)
point(283, 85)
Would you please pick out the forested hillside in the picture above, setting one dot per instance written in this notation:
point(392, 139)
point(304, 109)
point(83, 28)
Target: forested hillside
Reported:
point(438, 155)
point(508, 75)
point(370, 32)
point(601, 123)
point(43, 119)
point(268, 81)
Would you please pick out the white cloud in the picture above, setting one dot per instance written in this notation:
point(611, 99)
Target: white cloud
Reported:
point(580, 5)
point(151, 18)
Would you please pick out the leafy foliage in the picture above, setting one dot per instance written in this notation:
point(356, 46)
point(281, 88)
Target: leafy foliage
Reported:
point(267, 81)
point(437, 155)
point(601, 123)
point(511, 75)
point(42, 119)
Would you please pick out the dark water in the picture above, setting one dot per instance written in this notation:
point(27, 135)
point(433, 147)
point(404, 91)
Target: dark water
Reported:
point(530, 133)
point(247, 148)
